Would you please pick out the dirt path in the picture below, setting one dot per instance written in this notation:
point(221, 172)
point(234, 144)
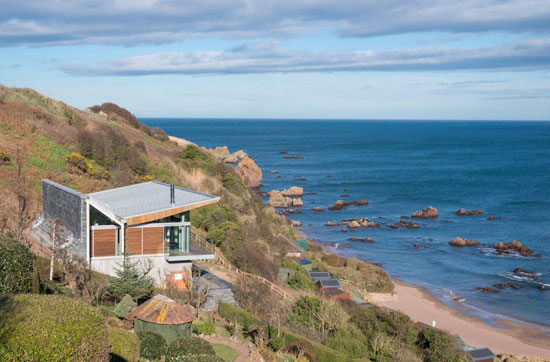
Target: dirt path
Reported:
point(240, 347)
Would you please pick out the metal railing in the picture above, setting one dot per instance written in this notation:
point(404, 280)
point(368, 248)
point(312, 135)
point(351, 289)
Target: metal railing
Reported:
point(200, 241)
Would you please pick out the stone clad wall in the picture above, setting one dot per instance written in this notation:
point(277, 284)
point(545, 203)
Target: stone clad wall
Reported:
point(60, 202)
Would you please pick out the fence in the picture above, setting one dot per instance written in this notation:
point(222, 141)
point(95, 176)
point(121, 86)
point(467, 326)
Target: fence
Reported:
point(200, 241)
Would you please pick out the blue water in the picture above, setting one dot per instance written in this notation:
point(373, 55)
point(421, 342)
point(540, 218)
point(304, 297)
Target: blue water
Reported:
point(403, 166)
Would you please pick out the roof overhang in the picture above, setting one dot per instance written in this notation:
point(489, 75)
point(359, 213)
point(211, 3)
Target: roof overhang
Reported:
point(144, 218)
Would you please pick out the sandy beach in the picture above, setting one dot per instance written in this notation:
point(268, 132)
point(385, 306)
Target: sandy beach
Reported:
point(518, 339)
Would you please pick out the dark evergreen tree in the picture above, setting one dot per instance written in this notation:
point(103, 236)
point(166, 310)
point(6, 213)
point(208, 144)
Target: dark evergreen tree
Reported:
point(131, 280)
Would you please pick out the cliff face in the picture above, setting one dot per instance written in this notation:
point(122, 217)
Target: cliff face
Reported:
point(106, 146)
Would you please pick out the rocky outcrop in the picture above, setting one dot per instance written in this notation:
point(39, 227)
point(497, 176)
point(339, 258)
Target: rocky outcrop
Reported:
point(427, 213)
point(249, 172)
point(404, 224)
point(487, 290)
point(297, 202)
point(276, 199)
point(525, 273)
point(340, 204)
point(460, 242)
point(464, 212)
point(366, 240)
point(330, 223)
point(273, 172)
point(358, 223)
point(294, 191)
point(289, 211)
point(493, 218)
point(220, 152)
point(295, 223)
point(513, 246)
point(506, 285)
point(317, 209)
point(294, 157)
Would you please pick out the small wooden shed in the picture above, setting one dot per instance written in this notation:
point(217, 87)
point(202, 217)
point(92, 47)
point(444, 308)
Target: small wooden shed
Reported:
point(482, 355)
point(164, 316)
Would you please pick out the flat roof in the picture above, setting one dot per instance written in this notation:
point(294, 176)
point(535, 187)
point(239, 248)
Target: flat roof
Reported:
point(481, 354)
point(329, 283)
point(319, 275)
point(333, 292)
point(145, 198)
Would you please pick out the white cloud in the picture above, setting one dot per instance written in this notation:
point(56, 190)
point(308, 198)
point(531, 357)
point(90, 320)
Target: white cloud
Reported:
point(162, 21)
point(270, 57)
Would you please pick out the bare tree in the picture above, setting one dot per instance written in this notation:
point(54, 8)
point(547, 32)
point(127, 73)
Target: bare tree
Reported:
point(21, 184)
point(58, 240)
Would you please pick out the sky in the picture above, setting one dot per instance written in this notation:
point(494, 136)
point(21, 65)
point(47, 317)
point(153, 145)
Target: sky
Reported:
point(324, 59)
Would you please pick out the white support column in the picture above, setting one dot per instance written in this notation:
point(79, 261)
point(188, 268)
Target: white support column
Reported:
point(122, 238)
point(88, 231)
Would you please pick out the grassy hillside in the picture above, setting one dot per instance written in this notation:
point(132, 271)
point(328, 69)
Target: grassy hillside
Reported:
point(106, 146)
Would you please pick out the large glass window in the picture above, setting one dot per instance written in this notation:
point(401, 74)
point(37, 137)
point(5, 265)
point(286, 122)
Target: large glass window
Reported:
point(97, 218)
point(177, 239)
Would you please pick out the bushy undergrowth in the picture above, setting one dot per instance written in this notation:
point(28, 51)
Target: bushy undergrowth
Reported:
point(233, 313)
point(124, 345)
point(51, 328)
point(152, 346)
point(189, 346)
point(16, 267)
point(203, 327)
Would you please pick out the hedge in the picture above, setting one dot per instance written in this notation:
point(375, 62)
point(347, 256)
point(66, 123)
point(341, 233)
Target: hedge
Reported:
point(231, 312)
point(51, 328)
point(189, 346)
point(322, 353)
point(16, 267)
point(152, 346)
point(124, 345)
point(203, 327)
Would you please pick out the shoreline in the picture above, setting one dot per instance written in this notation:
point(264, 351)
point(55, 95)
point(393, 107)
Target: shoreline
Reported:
point(421, 306)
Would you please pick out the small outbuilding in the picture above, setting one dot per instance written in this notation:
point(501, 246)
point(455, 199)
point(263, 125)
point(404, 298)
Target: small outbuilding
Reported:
point(315, 276)
point(302, 243)
point(329, 284)
point(306, 264)
point(334, 294)
point(164, 316)
point(284, 274)
point(482, 355)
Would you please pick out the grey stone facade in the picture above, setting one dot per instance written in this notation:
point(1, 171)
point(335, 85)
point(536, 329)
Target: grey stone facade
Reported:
point(60, 202)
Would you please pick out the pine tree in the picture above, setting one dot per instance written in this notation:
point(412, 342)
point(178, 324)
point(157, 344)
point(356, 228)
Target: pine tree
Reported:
point(131, 280)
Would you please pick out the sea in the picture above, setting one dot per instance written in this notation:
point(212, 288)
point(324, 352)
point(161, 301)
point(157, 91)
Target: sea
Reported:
point(404, 166)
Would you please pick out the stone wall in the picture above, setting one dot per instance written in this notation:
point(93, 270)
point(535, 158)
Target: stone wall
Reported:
point(60, 202)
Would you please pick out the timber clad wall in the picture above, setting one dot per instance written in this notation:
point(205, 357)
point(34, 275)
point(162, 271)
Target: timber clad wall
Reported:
point(103, 242)
point(149, 240)
point(152, 240)
point(134, 241)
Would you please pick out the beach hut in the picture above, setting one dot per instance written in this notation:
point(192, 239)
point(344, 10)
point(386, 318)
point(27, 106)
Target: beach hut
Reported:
point(164, 316)
point(302, 243)
point(334, 294)
point(305, 263)
point(328, 284)
point(284, 274)
point(315, 276)
point(482, 355)
point(294, 253)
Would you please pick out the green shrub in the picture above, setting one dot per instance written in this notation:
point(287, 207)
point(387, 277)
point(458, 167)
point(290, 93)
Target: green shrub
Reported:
point(51, 328)
point(189, 346)
point(304, 309)
point(196, 358)
point(16, 267)
point(232, 313)
point(228, 235)
point(123, 309)
point(301, 280)
point(440, 346)
point(151, 345)
point(203, 327)
point(124, 345)
point(276, 338)
point(322, 353)
point(350, 341)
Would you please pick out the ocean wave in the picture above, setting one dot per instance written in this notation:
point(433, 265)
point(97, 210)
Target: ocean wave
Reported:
point(523, 278)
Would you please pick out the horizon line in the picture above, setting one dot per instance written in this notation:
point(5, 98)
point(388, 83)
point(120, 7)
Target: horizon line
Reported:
point(343, 119)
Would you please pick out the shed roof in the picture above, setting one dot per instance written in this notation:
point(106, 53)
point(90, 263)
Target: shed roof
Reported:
point(146, 198)
point(304, 261)
point(319, 275)
point(163, 310)
point(329, 283)
point(333, 292)
point(481, 354)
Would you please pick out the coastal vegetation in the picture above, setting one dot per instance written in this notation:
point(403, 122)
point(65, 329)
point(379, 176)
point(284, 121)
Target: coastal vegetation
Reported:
point(73, 315)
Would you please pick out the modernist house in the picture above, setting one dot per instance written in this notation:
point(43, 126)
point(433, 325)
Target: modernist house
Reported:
point(150, 220)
